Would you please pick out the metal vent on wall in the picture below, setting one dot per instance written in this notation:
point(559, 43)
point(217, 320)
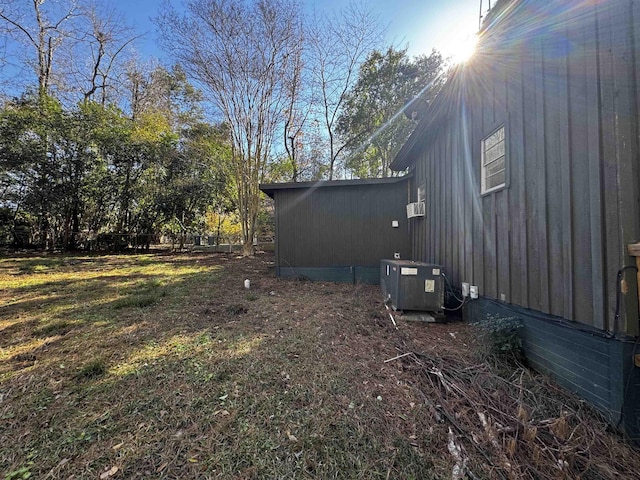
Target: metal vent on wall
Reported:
point(415, 209)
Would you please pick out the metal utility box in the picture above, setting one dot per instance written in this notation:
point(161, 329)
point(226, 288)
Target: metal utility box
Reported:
point(409, 285)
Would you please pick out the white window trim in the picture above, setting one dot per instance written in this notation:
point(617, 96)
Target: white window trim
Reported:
point(483, 190)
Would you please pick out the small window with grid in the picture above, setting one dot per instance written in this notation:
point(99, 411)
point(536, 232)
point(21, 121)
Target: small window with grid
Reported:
point(494, 173)
point(422, 193)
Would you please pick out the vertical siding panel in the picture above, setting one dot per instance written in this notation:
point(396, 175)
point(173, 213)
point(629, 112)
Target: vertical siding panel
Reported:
point(282, 230)
point(428, 208)
point(440, 226)
point(466, 196)
point(277, 206)
point(478, 211)
point(450, 207)
point(447, 163)
point(413, 229)
point(503, 240)
point(502, 244)
point(626, 142)
point(594, 143)
point(290, 235)
point(458, 199)
point(438, 175)
point(470, 197)
point(353, 245)
point(429, 241)
point(431, 251)
point(429, 214)
point(609, 160)
point(431, 230)
point(444, 226)
point(532, 178)
point(554, 208)
point(490, 274)
point(292, 198)
point(305, 226)
point(422, 245)
point(310, 253)
point(381, 236)
point(325, 197)
point(580, 104)
point(540, 215)
point(422, 248)
point(516, 172)
point(416, 229)
point(339, 241)
point(564, 158)
point(358, 222)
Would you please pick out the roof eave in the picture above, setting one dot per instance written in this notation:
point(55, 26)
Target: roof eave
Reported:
point(270, 188)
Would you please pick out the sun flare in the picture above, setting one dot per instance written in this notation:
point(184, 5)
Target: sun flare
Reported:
point(462, 48)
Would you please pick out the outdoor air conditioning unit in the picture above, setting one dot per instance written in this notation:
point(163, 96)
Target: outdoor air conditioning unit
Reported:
point(415, 209)
point(409, 285)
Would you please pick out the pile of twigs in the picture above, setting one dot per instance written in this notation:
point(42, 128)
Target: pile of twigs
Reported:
point(510, 423)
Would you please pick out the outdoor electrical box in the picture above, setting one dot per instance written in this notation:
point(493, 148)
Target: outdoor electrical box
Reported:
point(409, 285)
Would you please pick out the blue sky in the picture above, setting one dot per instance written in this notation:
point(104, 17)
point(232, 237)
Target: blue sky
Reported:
point(422, 24)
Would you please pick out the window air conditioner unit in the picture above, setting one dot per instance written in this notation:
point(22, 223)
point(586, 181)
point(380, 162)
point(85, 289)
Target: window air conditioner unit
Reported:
point(415, 209)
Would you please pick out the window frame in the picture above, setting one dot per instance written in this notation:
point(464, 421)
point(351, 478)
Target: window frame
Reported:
point(423, 187)
point(505, 184)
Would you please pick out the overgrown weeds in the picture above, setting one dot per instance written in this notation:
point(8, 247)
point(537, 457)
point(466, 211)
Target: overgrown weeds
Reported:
point(501, 339)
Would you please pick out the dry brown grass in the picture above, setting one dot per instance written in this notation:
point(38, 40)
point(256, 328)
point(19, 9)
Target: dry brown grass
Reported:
point(163, 366)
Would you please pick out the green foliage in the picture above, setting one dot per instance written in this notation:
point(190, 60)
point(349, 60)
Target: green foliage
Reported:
point(70, 175)
point(501, 337)
point(21, 473)
point(373, 124)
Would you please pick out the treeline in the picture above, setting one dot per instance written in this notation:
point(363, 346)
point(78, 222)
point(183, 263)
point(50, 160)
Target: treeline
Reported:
point(100, 149)
point(91, 176)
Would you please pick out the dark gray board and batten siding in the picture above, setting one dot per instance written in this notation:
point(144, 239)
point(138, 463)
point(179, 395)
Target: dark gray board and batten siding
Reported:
point(562, 76)
point(339, 230)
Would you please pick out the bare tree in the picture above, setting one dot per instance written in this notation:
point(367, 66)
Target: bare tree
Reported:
point(244, 55)
point(338, 44)
point(40, 25)
point(102, 48)
point(297, 109)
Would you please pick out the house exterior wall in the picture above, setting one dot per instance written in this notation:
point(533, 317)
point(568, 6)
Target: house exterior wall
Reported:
point(597, 367)
point(562, 76)
point(340, 233)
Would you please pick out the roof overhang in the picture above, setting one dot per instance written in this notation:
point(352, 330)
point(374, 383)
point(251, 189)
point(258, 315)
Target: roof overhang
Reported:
point(271, 188)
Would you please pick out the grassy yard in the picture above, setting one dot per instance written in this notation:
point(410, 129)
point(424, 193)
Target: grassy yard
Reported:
point(163, 366)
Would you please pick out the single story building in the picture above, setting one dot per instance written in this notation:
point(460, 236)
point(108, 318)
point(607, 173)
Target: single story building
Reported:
point(339, 230)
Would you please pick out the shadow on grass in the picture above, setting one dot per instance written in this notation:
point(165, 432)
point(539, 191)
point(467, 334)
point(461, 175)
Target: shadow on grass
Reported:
point(61, 308)
point(208, 405)
point(200, 382)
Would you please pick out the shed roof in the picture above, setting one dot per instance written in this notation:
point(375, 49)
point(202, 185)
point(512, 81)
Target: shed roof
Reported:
point(270, 188)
